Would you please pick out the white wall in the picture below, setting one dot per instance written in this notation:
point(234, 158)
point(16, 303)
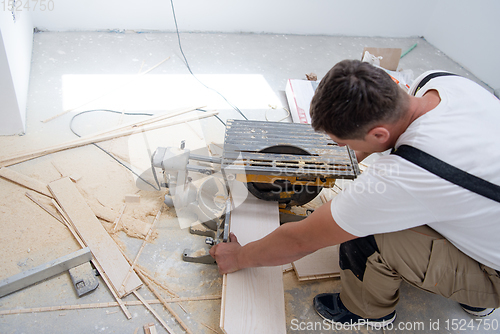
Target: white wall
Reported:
point(331, 17)
point(465, 30)
point(16, 42)
point(468, 32)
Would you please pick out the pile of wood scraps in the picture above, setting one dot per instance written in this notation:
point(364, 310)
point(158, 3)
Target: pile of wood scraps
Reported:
point(95, 225)
point(90, 232)
point(121, 275)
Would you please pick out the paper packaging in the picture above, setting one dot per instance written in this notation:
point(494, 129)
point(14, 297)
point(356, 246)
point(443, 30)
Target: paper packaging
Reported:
point(299, 94)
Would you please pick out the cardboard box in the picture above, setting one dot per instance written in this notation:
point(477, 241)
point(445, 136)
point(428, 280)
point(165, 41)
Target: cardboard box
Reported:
point(390, 57)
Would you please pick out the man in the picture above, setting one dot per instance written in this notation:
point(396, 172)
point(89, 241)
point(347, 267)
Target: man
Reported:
point(398, 221)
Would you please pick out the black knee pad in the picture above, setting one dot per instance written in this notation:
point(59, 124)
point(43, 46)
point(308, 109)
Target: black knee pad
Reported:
point(354, 254)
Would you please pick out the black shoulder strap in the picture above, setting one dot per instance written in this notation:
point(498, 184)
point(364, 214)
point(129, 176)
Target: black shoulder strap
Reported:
point(449, 172)
point(429, 77)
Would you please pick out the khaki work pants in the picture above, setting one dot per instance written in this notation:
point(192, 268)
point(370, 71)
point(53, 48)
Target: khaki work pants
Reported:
point(421, 257)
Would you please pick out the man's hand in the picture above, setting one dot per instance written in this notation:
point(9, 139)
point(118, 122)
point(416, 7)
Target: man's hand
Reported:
point(226, 255)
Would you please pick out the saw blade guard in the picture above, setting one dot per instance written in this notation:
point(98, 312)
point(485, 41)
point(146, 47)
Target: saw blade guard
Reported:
point(282, 190)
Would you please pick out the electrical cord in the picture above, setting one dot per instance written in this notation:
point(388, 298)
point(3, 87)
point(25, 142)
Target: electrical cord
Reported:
point(216, 116)
point(189, 68)
point(157, 187)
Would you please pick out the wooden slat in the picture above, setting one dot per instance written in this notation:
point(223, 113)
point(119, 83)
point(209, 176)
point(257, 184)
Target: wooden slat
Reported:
point(18, 158)
point(44, 271)
point(253, 298)
point(103, 247)
point(154, 313)
point(102, 305)
point(25, 181)
point(323, 263)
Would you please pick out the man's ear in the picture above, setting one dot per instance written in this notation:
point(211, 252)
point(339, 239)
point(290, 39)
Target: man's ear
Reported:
point(379, 134)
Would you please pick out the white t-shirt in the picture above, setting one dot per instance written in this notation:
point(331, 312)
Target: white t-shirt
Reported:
point(394, 194)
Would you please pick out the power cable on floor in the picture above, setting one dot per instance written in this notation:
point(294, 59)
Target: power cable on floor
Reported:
point(189, 68)
point(157, 187)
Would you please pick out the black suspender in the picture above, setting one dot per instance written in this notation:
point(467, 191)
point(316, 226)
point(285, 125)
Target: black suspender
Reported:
point(429, 77)
point(449, 172)
point(443, 169)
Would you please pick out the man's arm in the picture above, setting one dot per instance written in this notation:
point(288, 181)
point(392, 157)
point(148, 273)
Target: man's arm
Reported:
point(286, 244)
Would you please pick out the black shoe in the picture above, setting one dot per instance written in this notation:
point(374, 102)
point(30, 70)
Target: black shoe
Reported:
point(330, 307)
point(477, 311)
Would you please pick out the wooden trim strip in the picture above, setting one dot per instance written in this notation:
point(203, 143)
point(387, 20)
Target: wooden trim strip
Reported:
point(132, 265)
point(93, 234)
point(25, 181)
point(96, 139)
point(44, 208)
point(94, 261)
point(153, 312)
point(104, 305)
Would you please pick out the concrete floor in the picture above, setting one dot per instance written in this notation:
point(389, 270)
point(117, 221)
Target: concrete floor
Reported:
point(80, 71)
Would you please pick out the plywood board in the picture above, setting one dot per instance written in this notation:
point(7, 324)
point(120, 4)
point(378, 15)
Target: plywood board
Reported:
point(253, 298)
point(323, 263)
point(102, 246)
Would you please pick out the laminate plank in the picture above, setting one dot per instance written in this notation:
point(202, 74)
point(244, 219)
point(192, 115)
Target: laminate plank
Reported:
point(323, 263)
point(253, 298)
point(102, 246)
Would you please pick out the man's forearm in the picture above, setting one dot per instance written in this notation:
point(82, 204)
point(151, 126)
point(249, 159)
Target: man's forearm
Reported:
point(293, 241)
point(286, 244)
point(279, 247)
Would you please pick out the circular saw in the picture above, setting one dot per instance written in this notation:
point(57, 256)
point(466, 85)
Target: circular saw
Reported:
point(285, 162)
point(288, 163)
